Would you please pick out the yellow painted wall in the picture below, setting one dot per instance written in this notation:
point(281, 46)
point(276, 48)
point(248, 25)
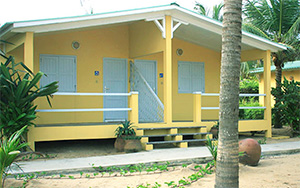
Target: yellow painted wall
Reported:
point(286, 74)
point(183, 103)
point(145, 39)
point(94, 46)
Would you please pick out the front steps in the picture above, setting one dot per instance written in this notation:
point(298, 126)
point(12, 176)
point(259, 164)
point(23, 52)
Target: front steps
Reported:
point(179, 136)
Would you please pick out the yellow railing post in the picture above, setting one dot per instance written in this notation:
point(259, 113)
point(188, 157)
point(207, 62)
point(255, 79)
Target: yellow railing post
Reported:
point(134, 105)
point(30, 138)
point(267, 91)
point(197, 107)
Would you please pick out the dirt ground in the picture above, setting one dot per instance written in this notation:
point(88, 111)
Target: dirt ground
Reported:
point(278, 171)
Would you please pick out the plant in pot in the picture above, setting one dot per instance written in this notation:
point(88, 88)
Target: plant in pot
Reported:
point(215, 130)
point(126, 138)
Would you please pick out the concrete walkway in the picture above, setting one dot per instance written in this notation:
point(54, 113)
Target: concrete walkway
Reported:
point(174, 155)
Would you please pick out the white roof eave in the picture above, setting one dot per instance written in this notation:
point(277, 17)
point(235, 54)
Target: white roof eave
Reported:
point(50, 25)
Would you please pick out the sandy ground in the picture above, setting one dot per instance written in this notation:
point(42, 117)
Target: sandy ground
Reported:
point(276, 172)
point(279, 171)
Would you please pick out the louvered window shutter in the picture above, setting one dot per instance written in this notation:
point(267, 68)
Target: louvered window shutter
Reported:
point(61, 69)
point(191, 77)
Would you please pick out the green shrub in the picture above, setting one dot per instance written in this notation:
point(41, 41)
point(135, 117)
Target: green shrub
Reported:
point(289, 106)
point(249, 86)
point(9, 151)
point(18, 90)
point(250, 113)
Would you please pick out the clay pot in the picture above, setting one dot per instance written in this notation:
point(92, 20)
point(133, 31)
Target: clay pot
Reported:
point(119, 144)
point(133, 145)
point(252, 152)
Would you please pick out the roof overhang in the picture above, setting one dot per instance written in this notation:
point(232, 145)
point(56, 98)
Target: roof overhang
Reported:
point(200, 30)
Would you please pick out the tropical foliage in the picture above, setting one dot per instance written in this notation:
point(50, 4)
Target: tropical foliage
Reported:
point(289, 106)
point(125, 130)
point(216, 11)
point(9, 151)
point(278, 21)
point(18, 90)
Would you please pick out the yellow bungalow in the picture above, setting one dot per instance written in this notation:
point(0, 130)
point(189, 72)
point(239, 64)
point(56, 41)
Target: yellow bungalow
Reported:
point(158, 67)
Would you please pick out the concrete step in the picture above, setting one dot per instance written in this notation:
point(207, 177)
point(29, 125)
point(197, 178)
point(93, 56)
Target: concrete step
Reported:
point(175, 141)
point(177, 134)
point(161, 128)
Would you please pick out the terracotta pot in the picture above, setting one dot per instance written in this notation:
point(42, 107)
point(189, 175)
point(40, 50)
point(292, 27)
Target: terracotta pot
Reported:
point(252, 152)
point(133, 145)
point(119, 144)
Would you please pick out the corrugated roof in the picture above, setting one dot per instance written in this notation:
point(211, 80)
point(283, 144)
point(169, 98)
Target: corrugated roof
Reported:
point(287, 66)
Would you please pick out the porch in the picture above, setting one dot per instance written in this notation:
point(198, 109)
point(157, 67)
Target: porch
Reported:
point(178, 133)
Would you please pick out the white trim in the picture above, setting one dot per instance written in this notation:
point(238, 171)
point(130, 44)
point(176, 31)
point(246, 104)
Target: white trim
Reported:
point(95, 94)
point(252, 107)
point(86, 110)
point(243, 107)
point(241, 95)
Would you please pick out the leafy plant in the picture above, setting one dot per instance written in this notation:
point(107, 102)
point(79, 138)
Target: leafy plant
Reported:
point(18, 90)
point(125, 130)
point(9, 151)
point(262, 141)
point(212, 147)
point(289, 106)
point(249, 86)
point(250, 113)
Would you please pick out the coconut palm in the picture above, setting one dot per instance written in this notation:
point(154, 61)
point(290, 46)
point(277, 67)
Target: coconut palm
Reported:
point(227, 171)
point(216, 11)
point(278, 21)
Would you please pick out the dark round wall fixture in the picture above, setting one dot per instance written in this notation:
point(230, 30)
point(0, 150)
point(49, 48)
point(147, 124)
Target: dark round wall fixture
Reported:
point(75, 45)
point(179, 51)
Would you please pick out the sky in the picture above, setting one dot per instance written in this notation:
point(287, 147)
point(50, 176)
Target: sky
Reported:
point(21, 10)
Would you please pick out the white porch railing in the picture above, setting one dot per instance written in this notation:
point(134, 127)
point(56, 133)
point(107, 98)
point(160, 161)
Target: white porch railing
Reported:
point(198, 104)
point(132, 108)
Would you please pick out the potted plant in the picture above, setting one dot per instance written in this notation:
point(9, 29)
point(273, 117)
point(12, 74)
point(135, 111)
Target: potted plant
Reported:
point(215, 130)
point(126, 138)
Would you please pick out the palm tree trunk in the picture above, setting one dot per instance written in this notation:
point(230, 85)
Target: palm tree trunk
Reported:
point(278, 97)
point(227, 172)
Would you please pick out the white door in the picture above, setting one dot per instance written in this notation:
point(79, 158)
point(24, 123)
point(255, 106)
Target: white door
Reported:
point(148, 69)
point(115, 81)
point(147, 107)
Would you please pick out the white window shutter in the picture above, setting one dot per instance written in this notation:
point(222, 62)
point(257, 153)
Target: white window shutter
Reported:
point(49, 66)
point(191, 77)
point(67, 74)
point(198, 77)
point(184, 77)
point(59, 68)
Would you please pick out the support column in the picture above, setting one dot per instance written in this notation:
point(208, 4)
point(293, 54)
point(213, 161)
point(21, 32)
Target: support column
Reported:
point(197, 107)
point(28, 51)
point(168, 71)
point(134, 105)
point(267, 91)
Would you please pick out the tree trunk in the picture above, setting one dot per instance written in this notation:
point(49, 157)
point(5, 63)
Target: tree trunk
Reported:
point(278, 97)
point(227, 172)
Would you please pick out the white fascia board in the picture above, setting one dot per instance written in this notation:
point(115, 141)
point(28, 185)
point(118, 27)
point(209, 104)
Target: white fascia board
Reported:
point(261, 43)
point(40, 26)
